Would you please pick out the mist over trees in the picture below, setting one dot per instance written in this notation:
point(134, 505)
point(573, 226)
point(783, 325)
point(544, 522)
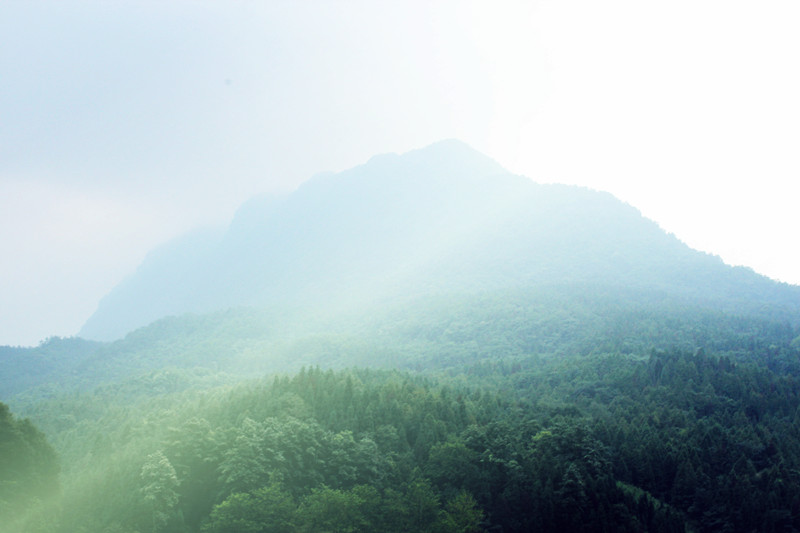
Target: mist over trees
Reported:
point(423, 343)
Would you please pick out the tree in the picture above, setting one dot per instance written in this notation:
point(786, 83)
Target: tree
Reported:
point(268, 509)
point(461, 515)
point(159, 488)
point(451, 467)
point(28, 472)
point(329, 510)
point(421, 505)
point(244, 467)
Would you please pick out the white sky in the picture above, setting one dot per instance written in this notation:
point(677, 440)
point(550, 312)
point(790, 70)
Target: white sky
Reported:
point(124, 124)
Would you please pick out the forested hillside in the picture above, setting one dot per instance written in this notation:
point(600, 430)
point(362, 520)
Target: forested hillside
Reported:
point(613, 411)
point(674, 441)
point(435, 333)
point(28, 474)
point(425, 343)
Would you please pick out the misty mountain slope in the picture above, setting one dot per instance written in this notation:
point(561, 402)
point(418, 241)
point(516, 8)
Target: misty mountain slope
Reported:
point(444, 333)
point(443, 219)
point(53, 360)
point(172, 277)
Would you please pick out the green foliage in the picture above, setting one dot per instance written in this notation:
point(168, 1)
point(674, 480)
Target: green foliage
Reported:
point(28, 475)
point(558, 363)
point(266, 510)
point(328, 510)
point(461, 515)
point(159, 484)
point(539, 410)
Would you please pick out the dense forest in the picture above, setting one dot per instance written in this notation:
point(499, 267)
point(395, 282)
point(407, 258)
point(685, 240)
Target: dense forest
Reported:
point(423, 343)
point(621, 437)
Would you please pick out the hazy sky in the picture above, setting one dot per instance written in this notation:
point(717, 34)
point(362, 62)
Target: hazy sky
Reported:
point(124, 124)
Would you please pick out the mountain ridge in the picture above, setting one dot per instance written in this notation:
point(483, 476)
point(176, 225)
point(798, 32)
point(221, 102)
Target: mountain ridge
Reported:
point(440, 218)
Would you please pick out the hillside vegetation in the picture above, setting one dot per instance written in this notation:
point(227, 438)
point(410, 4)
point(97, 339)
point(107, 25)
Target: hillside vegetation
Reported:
point(424, 343)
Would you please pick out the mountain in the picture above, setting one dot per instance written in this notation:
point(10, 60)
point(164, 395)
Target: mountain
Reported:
point(423, 343)
point(440, 220)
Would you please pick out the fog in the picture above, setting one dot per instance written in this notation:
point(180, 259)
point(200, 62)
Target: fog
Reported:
point(125, 125)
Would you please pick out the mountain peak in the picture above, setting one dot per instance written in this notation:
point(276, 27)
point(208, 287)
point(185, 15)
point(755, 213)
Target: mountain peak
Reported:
point(450, 157)
point(444, 218)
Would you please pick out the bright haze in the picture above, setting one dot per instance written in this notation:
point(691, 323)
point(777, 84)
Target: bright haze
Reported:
point(126, 124)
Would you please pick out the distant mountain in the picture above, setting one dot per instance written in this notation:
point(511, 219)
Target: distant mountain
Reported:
point(53, 360)
point(440, 220)
point(506, 343)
